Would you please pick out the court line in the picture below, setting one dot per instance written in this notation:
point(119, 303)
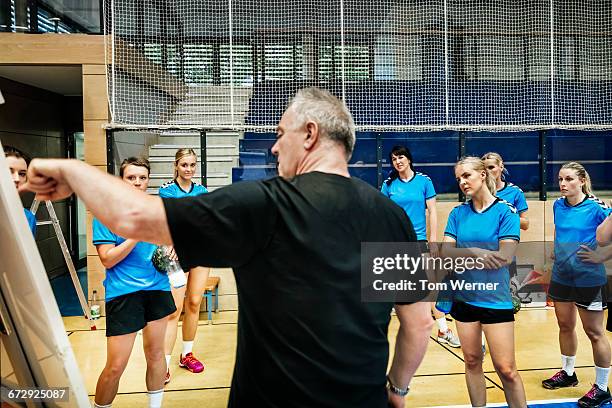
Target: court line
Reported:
point(167, 391)
point(204, 324)
point(460, 358)
point(85, 330)
point(505, 404)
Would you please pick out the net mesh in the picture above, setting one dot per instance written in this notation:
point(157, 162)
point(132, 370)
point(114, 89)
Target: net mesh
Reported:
point(403, 64)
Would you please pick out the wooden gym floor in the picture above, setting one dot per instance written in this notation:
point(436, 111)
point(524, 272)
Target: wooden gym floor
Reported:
point(439, 380)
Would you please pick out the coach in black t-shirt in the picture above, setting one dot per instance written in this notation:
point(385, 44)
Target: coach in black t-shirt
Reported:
point(305, 338)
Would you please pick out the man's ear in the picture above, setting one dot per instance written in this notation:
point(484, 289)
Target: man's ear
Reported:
point(312, 135)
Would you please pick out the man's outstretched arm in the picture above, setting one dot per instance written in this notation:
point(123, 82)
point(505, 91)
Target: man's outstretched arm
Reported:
point(125, 210)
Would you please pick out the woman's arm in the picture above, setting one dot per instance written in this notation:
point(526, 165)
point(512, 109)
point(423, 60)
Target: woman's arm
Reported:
point(524, 221)
point(604, 232)
point(432, 219)
point(111, 255)
point(490, 259)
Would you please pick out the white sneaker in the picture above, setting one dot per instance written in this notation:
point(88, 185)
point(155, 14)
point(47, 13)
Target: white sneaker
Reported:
point(449, 338)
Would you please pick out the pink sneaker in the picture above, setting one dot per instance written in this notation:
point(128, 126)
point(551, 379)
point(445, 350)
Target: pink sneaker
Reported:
point(191, 363)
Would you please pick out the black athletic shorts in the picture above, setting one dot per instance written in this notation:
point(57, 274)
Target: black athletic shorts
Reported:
point(131, 312)
point(593, 298)
point(466, 313)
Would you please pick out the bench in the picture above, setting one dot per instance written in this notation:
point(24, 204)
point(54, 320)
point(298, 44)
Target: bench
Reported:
point(212, 289)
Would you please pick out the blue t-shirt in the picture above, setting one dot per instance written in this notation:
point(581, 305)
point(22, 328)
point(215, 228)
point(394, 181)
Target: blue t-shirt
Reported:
point(514, 195)
point(471, 229)
point(411, 195)
point(31, 220)
point(171, 189)
point(135, 272)
point(574, 226)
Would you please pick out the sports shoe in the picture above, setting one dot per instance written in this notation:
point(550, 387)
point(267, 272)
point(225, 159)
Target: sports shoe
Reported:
point(167, 379)
point(595, 398)
point(191, 363)
point(449, 338)
point(560, 380)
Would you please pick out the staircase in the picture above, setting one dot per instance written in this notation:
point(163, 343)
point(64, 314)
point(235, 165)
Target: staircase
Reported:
point(204, 106)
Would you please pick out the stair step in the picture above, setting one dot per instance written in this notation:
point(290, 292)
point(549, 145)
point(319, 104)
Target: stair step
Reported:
point(211, 151)
point(213, 165)
point(221, 120)
point(180, 133)
point(176, 147)
point(209, 113)
point(210, 181)
point(170, 176)
point(217, 90)
point(214, 101)
point(161, 159)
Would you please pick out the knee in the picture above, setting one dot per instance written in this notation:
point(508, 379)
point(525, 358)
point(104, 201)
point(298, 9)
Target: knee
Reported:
point(566, 326)
point(154, 353)
point(507, 373)
point(429, 324)
point(192, 303)
point(594, 334)
point(114, 369)
point(473, 362)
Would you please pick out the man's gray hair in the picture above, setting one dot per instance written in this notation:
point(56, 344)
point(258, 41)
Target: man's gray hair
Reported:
point(330, 113)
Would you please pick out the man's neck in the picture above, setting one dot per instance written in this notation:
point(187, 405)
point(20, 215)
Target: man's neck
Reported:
point(325, 161)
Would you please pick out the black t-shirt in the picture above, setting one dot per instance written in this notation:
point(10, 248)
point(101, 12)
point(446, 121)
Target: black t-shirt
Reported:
point(305, 339)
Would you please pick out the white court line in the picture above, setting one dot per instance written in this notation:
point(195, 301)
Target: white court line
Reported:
point(503, 404)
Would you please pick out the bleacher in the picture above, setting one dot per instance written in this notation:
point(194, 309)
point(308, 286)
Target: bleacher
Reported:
point(436, 152)
point(380, 103)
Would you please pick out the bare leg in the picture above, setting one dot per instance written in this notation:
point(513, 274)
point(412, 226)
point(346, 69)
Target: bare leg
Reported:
point(566, 320)
point(500, 337)
point(118, 350)
point(470, 335)
point(173, 319)
point(153, 344)
point(195, 288)
point(592, 323)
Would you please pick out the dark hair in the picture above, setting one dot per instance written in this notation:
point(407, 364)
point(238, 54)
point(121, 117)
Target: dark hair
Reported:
point(398, 151)
point(10, 151)
point(134, 161)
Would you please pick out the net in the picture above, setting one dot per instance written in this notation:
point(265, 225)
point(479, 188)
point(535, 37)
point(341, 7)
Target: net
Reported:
point(398, 65)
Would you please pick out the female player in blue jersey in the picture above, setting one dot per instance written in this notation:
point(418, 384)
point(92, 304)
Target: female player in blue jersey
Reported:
point(484, 230)
point(415, 193)
point(18, 166)
point(185, 162)
point(137, 297)
point(512, 194)
point(577, 285)
point(504, 189)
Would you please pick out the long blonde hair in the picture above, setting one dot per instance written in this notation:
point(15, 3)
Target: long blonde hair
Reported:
point(180, 153)
point(477, 164)
point(581, 173)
